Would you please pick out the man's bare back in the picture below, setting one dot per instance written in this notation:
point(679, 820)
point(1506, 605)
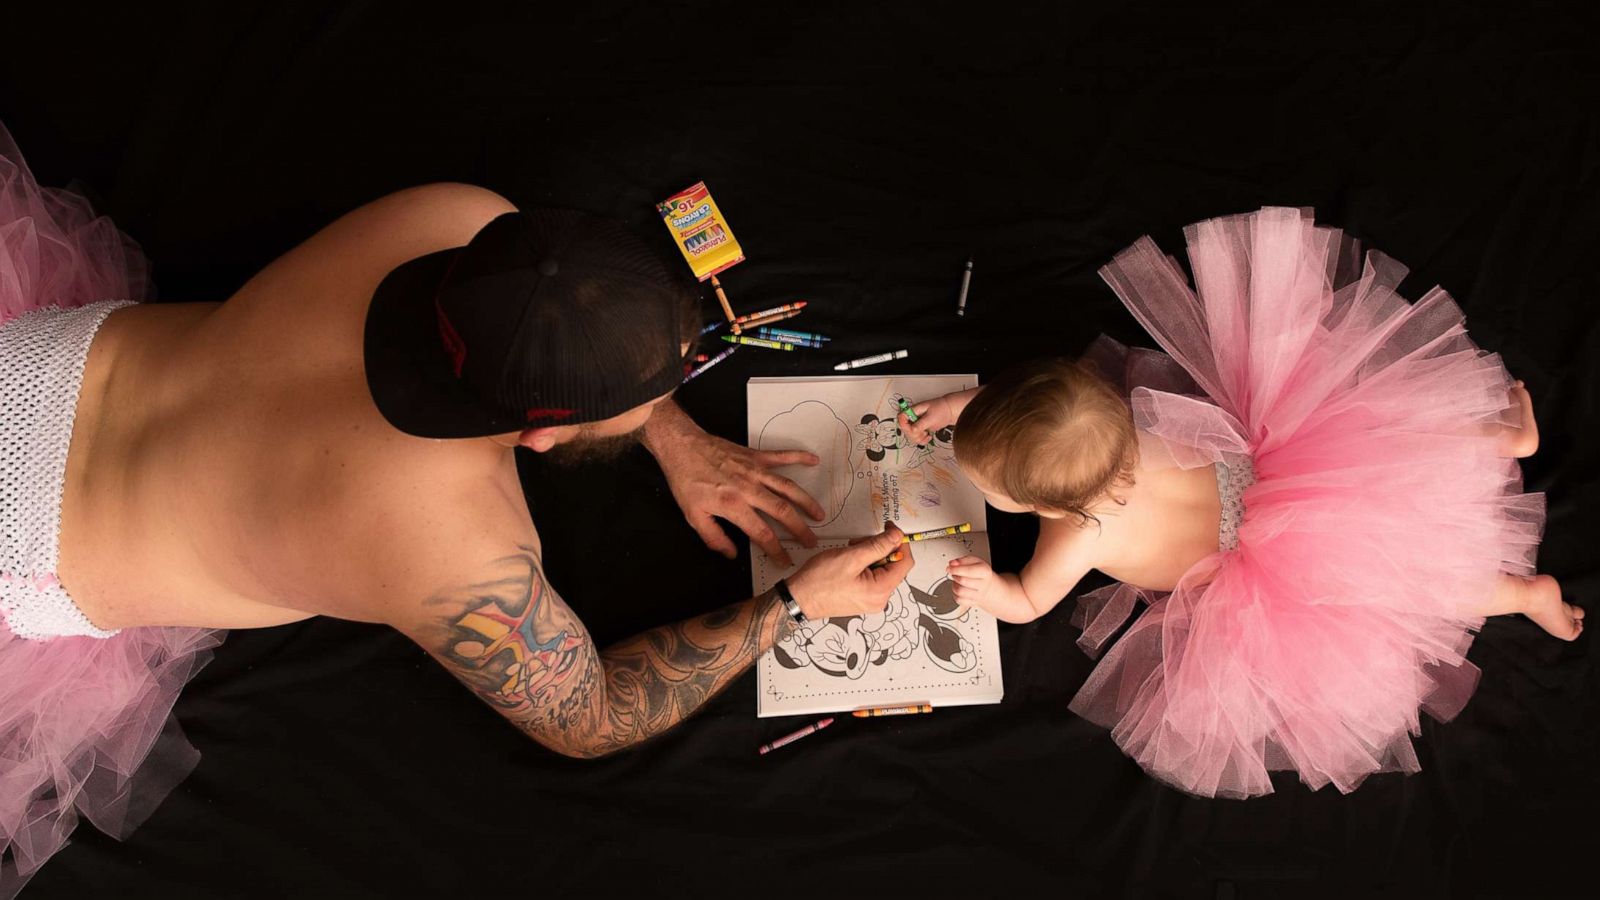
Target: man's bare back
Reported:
point(228, 466)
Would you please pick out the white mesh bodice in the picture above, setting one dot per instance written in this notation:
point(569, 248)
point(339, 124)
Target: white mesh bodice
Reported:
point(1231, 483)
point(41, 370)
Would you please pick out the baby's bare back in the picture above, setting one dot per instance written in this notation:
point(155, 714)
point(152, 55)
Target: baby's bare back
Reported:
point(1167, 524)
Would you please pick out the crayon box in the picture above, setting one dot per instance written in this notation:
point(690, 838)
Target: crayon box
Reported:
point(699, 229)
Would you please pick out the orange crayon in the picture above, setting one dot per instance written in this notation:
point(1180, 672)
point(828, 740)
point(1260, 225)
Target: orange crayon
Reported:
point(796, 306)
point(766, 320)
point(891, 558)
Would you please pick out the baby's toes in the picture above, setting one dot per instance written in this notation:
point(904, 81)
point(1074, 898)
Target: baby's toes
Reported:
point(1571, 623)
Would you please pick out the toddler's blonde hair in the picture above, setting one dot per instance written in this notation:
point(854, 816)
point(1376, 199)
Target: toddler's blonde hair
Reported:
point(1050, 434)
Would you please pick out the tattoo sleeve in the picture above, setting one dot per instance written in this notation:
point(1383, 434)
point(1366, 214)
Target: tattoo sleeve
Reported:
point(513, 641)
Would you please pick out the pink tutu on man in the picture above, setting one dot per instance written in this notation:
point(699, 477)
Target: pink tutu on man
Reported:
point(85, 721)
point(1380, 515)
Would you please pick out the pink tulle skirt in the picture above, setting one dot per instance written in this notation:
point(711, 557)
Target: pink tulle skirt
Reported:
point(1381, 517)
point(85, 723)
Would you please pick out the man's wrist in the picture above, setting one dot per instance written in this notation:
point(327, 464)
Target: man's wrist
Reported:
point(665, 418)
point(791, 606)
point(774, 605)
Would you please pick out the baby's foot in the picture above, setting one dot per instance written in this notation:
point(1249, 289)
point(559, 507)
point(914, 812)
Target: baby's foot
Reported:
point(1518, 443)
point(1543, 604)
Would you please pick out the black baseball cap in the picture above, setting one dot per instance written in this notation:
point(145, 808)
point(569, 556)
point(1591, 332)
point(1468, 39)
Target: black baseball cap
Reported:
point(546, 317)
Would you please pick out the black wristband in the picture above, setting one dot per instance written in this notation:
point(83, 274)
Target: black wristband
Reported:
point(786, 597)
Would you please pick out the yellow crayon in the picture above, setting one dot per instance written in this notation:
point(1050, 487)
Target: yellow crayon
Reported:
point(963, 528)
point(893, 710)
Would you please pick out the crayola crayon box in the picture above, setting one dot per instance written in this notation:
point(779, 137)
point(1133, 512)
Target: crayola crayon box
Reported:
point(700, 230)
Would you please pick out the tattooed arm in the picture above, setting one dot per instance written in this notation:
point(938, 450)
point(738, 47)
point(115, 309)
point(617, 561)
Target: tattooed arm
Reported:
point(510, 638)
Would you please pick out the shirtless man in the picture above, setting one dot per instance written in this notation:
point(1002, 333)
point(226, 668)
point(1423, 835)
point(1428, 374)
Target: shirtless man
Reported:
point(229, 466)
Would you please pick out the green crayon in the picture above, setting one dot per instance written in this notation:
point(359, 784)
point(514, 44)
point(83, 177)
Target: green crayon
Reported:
point(757, 342)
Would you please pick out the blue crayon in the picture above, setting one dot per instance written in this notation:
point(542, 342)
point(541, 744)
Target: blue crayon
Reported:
point(787, 334)
point(798, 342)
point(710, 328)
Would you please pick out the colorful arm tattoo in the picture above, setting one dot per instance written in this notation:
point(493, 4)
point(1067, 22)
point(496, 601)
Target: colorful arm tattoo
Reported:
point(522, 650)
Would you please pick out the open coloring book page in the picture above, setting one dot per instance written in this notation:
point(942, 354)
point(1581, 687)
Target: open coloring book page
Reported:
point(869, 474)
point(923, 647)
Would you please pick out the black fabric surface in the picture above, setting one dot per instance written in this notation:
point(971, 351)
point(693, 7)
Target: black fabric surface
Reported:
point(860, 154)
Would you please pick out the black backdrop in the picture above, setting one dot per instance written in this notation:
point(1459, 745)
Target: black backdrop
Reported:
point(861, 155)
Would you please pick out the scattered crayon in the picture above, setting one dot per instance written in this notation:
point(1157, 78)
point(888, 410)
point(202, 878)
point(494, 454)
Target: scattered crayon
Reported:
point(768, 320)
point(727, 310)
point(757, 342)
point(966, 279)
point(708, 363)
point(893, 710)
point(785, 334)
point(750, 318)
point(871, 360)
point(787, 739)
point(798, 342)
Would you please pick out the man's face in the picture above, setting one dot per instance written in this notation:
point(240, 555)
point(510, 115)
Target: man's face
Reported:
point(600, 441)
point(605, 440)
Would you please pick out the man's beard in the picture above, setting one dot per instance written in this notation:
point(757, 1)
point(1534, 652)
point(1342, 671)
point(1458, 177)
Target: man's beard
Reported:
point(586, 449)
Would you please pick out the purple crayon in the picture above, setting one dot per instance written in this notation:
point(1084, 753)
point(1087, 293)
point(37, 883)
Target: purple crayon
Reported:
point(708, 364)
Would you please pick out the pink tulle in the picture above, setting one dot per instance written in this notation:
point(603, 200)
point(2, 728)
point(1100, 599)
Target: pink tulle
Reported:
point(85, 724)
point(1381, 518)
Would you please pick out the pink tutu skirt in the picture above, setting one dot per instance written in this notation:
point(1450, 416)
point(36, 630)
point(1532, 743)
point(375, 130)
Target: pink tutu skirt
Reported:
point(1380, 518)
point(85, 723)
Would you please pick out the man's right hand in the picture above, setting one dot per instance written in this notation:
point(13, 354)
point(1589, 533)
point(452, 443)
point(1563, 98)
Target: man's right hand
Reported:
point(842, 582)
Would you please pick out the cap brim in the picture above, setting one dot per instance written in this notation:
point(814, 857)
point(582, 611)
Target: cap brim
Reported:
point(409, 373)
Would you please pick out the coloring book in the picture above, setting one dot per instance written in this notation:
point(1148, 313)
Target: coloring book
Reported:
point(922, 648)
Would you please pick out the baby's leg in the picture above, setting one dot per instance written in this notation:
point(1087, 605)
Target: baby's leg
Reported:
point(1518, 443)
point(1538, 598)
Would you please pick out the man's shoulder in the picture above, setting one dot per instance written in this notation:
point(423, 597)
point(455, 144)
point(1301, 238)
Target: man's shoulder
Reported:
point(426, 543)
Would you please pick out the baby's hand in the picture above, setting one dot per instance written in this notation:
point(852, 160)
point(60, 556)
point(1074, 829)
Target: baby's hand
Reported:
point(976, 584)
point(932, 416)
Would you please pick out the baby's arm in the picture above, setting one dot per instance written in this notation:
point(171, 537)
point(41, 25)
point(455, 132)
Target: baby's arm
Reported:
point(1062, 557)
point(934, 415)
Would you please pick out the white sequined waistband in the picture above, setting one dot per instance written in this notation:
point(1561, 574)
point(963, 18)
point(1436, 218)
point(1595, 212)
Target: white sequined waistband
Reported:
point(1232, 480)
point(42, 354)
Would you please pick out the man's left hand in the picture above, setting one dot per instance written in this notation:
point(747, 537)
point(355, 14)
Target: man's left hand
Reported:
point(716, 479)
